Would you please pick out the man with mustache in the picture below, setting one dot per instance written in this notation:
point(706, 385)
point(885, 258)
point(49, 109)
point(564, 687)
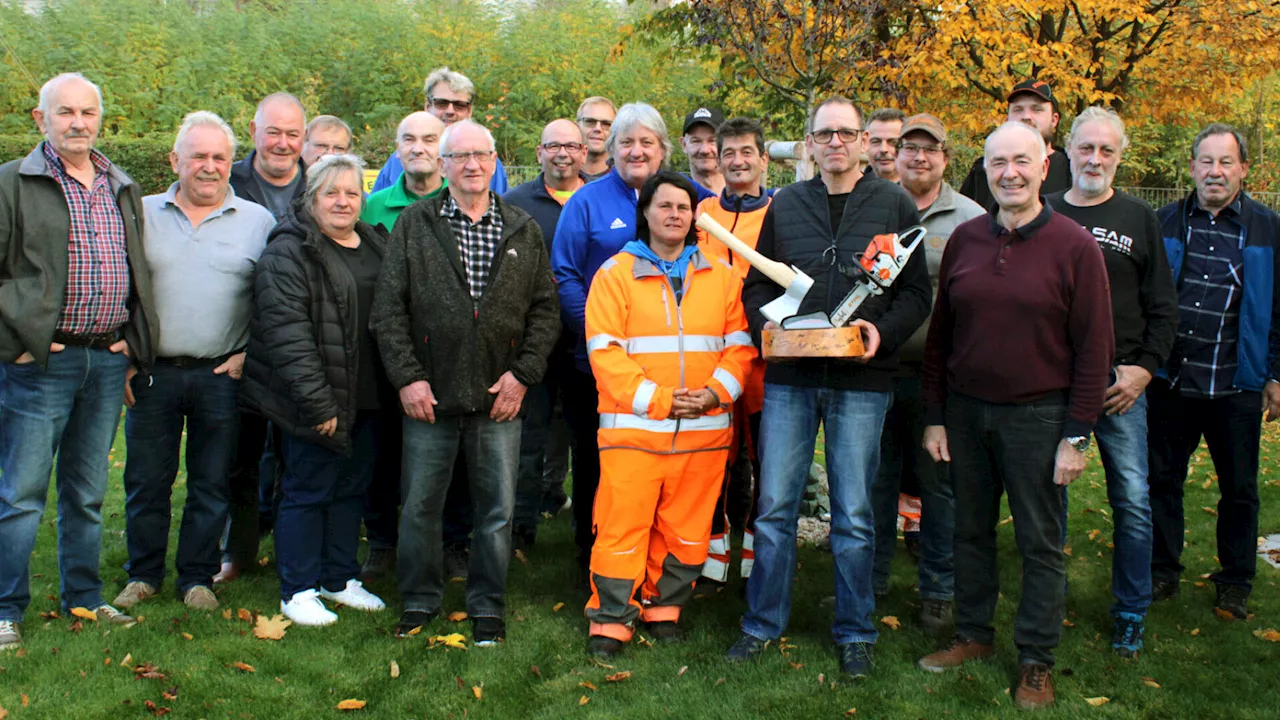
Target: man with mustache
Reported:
point(1144, 311)
point(202, 244)
point(1031, 102)
point(1225, 366)
point(883, 128)
point(76, 313)
point(595, 117)
point(326, 135)
point(699, 143)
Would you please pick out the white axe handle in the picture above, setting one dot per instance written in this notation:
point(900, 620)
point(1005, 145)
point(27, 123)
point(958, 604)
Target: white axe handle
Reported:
point(774, 270)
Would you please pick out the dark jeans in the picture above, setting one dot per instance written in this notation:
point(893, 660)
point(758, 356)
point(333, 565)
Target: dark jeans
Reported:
point(492, 450)
point(1231, 427)
point(581, 401)
point(254, 489)
point(997, 449)
point(382, 502)
point(318, 526)
point(535, 444)
point(153, 432)
point(459, 513)
point(902, 456)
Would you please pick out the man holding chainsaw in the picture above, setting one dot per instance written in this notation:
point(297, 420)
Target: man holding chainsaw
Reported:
point(825, 227)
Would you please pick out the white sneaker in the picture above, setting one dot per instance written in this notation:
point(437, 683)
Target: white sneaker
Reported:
point(305, 608)
point(355, 596)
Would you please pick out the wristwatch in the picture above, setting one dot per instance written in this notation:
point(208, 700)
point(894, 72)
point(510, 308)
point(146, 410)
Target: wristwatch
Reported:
point(1080, 442)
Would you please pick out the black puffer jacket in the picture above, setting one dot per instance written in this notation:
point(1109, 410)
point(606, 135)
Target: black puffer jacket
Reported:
point(300, 369)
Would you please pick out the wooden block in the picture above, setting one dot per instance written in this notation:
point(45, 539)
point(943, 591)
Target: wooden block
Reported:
point(843, 342)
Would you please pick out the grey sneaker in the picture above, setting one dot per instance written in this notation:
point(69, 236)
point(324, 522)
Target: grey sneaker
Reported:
point(108, 614)
point(10, 636)
point(133, 593)
point(200, 597)
point(936, 616)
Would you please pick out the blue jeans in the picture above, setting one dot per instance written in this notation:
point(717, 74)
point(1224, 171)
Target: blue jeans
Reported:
point(1122, 441)
point(322, 501)
point(153, 432)
point(902, 454)
point(788, 430)
point(69, 410)
point(492, 451)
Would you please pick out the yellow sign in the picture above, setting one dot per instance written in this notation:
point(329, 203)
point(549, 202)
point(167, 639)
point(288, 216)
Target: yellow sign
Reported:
point(370, 177)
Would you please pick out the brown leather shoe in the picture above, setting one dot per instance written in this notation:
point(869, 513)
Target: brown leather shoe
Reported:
point(959, 651)
point(1035, 687)
point(230, 571)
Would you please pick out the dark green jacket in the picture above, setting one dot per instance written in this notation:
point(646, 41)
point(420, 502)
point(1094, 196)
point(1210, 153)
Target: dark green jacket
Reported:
point(34, 227)
point(428, 327)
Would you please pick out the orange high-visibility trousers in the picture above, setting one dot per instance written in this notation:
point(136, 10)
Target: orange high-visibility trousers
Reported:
point(653, 521)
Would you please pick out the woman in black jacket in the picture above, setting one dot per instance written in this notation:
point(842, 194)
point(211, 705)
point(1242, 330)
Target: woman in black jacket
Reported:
point(312, 369)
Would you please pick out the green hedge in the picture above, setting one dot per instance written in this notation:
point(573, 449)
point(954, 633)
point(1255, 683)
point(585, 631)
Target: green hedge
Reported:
point(146, 159)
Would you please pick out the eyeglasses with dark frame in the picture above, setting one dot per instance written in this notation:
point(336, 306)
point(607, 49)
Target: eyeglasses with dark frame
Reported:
point(847, 135)
point(443, 104)
point(910, 148)
point(554, 147)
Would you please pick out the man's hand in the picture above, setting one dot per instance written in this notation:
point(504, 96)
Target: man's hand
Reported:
point(27, 357)
point(688, 404)
point(128, 386)
point(1271, 400)
point(119, 346)
point(935, 442)
point(1068, 465)
point(510, 392)
point(328, 427)
point(1131, 382)
point(234, 366)
point(870, 339)
point(418, 401)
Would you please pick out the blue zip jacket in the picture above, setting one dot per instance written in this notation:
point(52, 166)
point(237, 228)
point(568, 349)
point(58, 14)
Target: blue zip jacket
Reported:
point(1259, 347)
point(393, 169)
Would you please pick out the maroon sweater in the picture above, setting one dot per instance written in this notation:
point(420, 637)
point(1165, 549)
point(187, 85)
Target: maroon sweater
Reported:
point(1020, 316)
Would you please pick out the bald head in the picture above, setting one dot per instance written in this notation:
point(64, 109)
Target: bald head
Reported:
point(1014, 132)
point(418, 144)
point(562, 153)
point(1016, 165)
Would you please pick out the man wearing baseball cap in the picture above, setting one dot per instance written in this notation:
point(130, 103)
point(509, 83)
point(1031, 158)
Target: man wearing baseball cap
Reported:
point(1031, 101)
point(699, 142)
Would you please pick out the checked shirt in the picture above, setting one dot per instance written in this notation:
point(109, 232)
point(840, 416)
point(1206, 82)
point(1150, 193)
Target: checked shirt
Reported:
point(477, 242)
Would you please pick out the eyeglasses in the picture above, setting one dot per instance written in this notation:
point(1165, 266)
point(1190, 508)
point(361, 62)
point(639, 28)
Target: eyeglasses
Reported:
point(324, 149)
point(443, 104)
point(590, 122)
point(554, 147)
point(912, 149)
point(463, 158)
point(823, 137)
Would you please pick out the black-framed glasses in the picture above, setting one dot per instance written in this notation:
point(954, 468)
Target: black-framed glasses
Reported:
point(465, 157)
point(590, 122)
point(910, 148)
point(847, 135)
point(554, 147)
point(443, 104)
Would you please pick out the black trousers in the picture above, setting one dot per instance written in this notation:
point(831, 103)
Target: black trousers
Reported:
point(580, 401)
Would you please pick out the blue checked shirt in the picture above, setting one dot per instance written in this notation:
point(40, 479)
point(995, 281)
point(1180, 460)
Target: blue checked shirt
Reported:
point(1204, 354)
point(477, 242)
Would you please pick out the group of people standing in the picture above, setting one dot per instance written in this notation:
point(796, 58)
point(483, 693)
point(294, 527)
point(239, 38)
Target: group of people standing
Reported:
point(399, 360)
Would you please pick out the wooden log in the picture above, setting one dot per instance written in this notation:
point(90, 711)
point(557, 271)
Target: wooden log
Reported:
point(842, 342)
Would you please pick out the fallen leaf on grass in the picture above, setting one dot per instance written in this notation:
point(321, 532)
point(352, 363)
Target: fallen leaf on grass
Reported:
point(271, 628)
point(719, 681)
point(452, 640)
point(458, 616)
point(128, 658)
point(84, 613)
point(583, 700)
point(76, 626)
point(414, 631)
point(797, 666)
point(1210, 510)
point(557, 607)
point(395, 669)
point(1270, 635)
point(3, 713)
point(226, 614)
point(1223, 614)
point(1007, 520)
point(477, 691)
point(188, 636)
point(351, 704)
point(1195, 632)
point(1200, 584)
point(1150, 682)
point(1067, 623)
point(851, 712)
point(244, 667)
point(520, 556)
point(822, 679)
point(26, 701)
point(587, 685)
point(147, 671)
point(533, 669)
point(1098, 701)
point(244, 615)
point(50, 615)
point(264, 561)
point(892, 622)
point(683, 669)
point(171, 694)
point(106, 661)
point(1094, 533)
point(618, 676)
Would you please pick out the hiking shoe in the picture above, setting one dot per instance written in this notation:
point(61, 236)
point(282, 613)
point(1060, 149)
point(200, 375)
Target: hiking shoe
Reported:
point(487, 631)
point(748, 647)
point(855, 659)
point(108, 614)
point(599, 646)
point(10, 635)
point(381, 561)
point(957, 652)
point(456, 561)
point(200, 597)
point(1126, 634)
point(133, 593)
point(1163, 587)
point(305, 608)
point(411, 619)
point(1233, 599)
point(1035, 687)
point(935, 615)
point(665, 631)
point(354, 596)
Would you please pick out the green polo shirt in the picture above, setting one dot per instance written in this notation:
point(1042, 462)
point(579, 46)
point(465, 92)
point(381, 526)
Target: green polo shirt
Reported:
point(384, 206)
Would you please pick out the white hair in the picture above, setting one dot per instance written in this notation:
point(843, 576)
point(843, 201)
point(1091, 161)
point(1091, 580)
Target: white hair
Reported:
point(1014, 126)
point(278, 96)
point(203, 118)
point(453, 129)
point(638, 114)
point(1100, 114)
point(456, 81)
point(325, 171)
point(51, 87)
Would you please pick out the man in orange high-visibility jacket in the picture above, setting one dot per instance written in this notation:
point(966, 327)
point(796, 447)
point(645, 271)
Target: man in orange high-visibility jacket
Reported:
point(660, 331)
point(740, 208)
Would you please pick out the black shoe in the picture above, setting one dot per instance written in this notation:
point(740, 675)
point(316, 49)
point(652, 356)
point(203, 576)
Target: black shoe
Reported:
point(411, 619)
point(381, 561)
point(1163, 587)
point(456, 561)
point(748, 647)
point(487, 631)
point(855, 659)
point(1233, 599)
point(665, 631)
point(705, 588)
point(523, 538)
point(599, 646)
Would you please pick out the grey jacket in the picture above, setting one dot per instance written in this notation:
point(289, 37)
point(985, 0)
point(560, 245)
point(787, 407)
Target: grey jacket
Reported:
point(34, 227)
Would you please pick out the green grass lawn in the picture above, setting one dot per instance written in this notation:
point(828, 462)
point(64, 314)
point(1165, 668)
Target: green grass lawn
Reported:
point(1205, 667)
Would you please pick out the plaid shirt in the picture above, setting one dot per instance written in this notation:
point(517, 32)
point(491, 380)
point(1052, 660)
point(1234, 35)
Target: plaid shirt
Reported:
point(477, 242)
point(97, 294)
point(1204, 354)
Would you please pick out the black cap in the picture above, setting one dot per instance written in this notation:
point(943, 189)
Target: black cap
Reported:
point(1039, 88)
point(710, 116)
